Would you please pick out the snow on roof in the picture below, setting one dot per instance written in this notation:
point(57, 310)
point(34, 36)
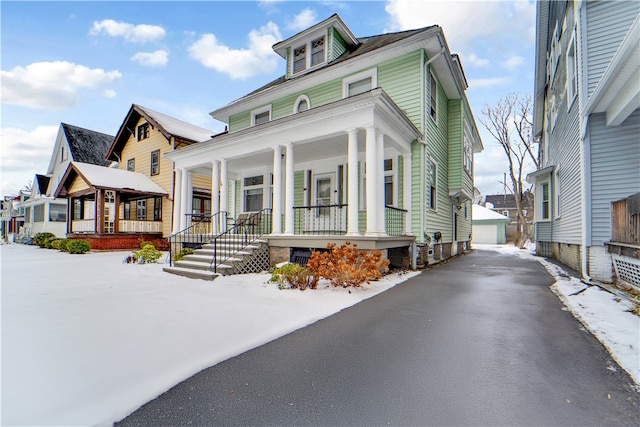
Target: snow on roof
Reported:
point(481, 213)
point(100, 176)
point(178, 127)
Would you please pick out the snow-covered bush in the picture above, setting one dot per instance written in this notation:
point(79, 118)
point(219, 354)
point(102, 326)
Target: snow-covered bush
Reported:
point(78, 246)
point(292, 275)
point(148, 254)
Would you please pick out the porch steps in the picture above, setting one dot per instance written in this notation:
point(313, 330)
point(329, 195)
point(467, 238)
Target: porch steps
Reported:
point(237, 259)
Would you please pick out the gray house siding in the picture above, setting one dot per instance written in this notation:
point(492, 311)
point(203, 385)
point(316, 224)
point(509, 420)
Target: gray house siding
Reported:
point(615, 169)
point(608, 23)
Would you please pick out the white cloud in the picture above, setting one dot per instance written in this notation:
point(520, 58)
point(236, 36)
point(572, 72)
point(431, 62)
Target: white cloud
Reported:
point(489, 82)
point(109, 93)
point(159, 58)
point(258, 58)
point(51, 84)
point(303, 20)
point(132, 33)
point(473, 60)
point(463, 22)
point(513, 62)
point(23, 154)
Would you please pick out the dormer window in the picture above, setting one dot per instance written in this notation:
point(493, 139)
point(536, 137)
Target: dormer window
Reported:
point(299, 59)
point(309, 55)
point(143, 131)
point(317, 51)
point(261, 115)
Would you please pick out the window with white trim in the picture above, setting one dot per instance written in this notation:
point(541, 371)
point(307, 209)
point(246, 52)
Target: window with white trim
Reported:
point(299, 59)
point(253, 193)
point(544, 200)
point(556, 193)
point(317, 51)
point(143, 131)
point(308, 55)
point(572, 72)
point(434, 97)
point(359, 83)
point(433, 187)
point(155, 162)
point(261, 115)
point(302, 104)
point(388, 182)
point(468, 153)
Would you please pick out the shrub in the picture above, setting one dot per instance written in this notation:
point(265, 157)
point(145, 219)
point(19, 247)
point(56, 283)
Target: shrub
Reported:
point(48, 241)
point(148, 254)
point(40, 238)
point(59, 244)
point(179, 256)
point(347, 266)
point(145, 243)
point(292, 275)
point(78, 246)
point(63, 245)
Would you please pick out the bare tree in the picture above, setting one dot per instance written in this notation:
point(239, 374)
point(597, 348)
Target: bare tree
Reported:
point(510, 123)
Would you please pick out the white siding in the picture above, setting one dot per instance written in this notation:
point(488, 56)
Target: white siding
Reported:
point(608, 22)
point(615, 169)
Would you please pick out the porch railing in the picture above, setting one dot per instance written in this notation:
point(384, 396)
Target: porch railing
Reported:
point(395, 221)
point(83, 226)
point(320, 219)
point(133, 226)
point(243, 231)
point(200, 231)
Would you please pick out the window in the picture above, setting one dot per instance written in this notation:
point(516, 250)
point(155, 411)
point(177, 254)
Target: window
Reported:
point(572, 72)
point(127, 210)
point(323, 194)
point(143, 131)
point(505, 213)
point(301, 104)
point(388, 182)
point(299, 59)
point(38, 213)
point(359, 83)
point(468, 153)
point(63, 154)
point(57, 213)
point(434, 183)
point(556, 192)
point(157, 208)
point(77, 208)
point(109, 211)
point(317, 51)
point(545, 200)
point(155, 162)
point(253, 191)
point(261, 115)
point(131, 165)
point(434, 96)
point(141, 210)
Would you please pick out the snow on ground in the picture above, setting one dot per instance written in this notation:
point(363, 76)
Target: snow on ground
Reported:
point(606, 316)
point(86, 339)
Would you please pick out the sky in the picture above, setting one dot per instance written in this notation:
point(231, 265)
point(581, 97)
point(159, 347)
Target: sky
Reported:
point(89, 351)
point(85, 63)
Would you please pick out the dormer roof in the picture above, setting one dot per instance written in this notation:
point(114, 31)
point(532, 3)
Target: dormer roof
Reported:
point(319, 29)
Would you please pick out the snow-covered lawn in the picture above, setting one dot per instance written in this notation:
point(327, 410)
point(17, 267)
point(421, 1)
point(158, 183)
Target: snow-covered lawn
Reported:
point(606, 316)
point(86, 339)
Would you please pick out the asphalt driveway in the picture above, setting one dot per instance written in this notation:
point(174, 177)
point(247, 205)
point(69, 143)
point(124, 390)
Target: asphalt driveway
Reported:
point(477, 341)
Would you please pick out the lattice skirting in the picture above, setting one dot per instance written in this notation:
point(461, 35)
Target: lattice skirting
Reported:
point(627, 269)
point(256, 262)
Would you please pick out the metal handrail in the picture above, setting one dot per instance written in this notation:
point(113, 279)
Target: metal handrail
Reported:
point(201, 231)
point(320, 219)
point(395, 219)
point(240, 235)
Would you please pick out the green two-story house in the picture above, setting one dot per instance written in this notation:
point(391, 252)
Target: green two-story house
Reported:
point(368, 140)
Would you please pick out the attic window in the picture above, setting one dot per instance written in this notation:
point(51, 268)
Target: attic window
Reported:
point(299, 59)
point(143, 131)
point(317, 51)
point(261, 115)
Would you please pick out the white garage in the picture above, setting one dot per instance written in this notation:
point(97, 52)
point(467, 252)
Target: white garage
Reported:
point(488, 227)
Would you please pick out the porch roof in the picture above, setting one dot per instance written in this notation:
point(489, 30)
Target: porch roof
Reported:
point(103, 177)
point(373, 108)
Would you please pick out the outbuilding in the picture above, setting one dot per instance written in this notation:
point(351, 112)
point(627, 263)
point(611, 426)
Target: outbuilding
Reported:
point(488, 227)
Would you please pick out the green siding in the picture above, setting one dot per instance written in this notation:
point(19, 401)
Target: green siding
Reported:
point(298, 184)
point(318, 95)
point(336, 45)
point(417, 192)
point(456, 141)
point(240, 121)
point(401, 80)
point(238, 197)
point(440, 219)
point(400, 186)
point(464, 224)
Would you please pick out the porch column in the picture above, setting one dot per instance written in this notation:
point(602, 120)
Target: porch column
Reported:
point(184, 197)
point(189, 204)
point(406, 190)
point(288, 202)
point(215, 194)
point(353, 193)
point(371, 172)
point(224, 189)
point(381, 214)
point(177, 201)
point(276, 226)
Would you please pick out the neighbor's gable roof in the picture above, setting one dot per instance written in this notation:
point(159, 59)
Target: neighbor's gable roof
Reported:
point(168, 126)
point(41, 183)
point(84, 145)
point(108, 178)
point(480, 213)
